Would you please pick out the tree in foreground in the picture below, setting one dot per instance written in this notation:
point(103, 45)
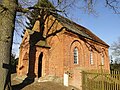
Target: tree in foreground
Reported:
point(8, 10)
point(7, 24)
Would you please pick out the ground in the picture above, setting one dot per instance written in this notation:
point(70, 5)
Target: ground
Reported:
point(47, 85)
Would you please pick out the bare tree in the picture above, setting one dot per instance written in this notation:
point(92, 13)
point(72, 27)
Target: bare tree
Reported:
point(115, 47)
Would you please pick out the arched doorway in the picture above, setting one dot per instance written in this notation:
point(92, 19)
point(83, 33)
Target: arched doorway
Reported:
point(40, 65)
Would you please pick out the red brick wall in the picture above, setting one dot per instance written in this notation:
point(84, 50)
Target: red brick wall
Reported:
point(59, 59)
point(71, 41)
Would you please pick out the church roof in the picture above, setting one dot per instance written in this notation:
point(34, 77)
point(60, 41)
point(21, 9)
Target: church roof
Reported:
point(78, 29)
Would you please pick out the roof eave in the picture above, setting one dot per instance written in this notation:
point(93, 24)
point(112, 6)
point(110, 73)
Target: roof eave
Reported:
point(88, 38)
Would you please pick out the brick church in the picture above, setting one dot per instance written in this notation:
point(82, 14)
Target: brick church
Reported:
point(64, 48)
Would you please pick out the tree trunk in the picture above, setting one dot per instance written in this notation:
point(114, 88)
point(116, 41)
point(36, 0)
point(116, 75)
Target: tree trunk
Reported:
point(7, 24)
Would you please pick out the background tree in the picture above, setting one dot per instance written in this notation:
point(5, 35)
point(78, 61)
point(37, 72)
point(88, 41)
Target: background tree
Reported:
point(115, 58)
point(8, 9)
point(115, 48)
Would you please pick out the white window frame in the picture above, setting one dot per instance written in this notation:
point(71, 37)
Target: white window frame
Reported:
point(91, 58)
point(75, 55)
point(102, 59)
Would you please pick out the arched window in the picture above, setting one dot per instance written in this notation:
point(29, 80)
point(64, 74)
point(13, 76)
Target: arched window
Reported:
point(102, 59)
point(75, 55)
point(91, 57)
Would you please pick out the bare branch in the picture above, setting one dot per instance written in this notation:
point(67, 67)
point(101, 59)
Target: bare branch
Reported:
point(25, 10)
point(114, 5)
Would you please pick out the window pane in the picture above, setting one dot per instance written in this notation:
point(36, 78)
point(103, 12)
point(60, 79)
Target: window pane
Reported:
point(91, 57)
point(102, 60)
point(75, 56)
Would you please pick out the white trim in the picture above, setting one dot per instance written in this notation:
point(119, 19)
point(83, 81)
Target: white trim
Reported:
point(102, 60)
point(65, 79)
point(91, 58)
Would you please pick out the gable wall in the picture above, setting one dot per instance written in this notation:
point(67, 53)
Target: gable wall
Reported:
point(23, 62)
point(55, 41)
